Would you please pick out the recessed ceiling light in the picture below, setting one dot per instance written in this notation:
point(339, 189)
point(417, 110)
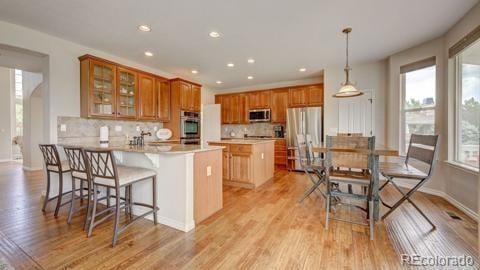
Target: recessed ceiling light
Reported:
point(144, 28)
point(214, 34)
point(250, 77)
point(219, 82)
point(194, 71)
point(302, 70)
point(230, 65)
point(251, 60)
point(147, 53)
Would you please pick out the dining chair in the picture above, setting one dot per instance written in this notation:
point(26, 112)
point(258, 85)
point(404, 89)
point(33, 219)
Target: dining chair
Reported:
point(106, 173)
point(357, 154)
point(53, 164)
point(79, 169)
point(310, 164)
point(422, 148)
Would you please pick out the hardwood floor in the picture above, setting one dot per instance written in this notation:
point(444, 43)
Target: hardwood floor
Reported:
point(256, 229)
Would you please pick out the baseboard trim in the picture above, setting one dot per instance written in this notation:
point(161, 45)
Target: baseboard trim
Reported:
point(31, 169)
point(469, 212)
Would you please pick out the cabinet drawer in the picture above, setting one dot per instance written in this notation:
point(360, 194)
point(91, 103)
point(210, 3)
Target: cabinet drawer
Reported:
point(241, 148)
point(281, 160)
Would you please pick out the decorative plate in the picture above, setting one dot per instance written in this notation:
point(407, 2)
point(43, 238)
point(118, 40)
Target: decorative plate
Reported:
point(164, 134)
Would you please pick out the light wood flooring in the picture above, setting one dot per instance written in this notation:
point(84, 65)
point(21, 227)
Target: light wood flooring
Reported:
point(256, 229)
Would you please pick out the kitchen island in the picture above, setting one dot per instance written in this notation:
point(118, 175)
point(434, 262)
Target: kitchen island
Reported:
point(247, 163)
point(189, 179)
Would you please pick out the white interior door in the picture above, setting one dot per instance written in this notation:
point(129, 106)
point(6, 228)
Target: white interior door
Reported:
point(355, 114)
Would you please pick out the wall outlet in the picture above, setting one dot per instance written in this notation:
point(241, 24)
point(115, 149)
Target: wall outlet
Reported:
point(209, 170)
point(118, 128)
point(155, 128)
point(63, 128)
point(138, 128)
point(263, 156)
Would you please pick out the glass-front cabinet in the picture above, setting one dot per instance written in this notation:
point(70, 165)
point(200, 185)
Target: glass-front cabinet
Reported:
point(126, 93)
point(102, 89)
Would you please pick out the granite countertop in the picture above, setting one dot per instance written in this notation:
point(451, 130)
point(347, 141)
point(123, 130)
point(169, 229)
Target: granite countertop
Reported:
point(155, 148)
point(243, 141)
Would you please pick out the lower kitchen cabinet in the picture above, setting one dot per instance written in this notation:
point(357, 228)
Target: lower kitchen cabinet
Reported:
point(247, 165)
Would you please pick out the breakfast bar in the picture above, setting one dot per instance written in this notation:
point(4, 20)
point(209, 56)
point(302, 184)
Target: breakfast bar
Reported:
point(189, 179)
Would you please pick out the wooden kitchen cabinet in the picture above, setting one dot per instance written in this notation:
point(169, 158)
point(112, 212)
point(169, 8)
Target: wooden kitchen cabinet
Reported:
point(241, 167)
point(279, 106)
point(196, 98)
point(243, 109)
point(190, 95)
point(281, 153)
point(259, 99)
point(163, 97)
point(147, 93)
point(298, 97)
point(127, 93)
point(225, 109)
point(315, 95)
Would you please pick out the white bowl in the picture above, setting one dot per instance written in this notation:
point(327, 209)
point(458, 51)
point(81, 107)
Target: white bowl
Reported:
point(164, 134)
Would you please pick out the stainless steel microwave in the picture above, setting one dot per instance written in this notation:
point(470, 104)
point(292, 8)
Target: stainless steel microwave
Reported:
point(260, 115)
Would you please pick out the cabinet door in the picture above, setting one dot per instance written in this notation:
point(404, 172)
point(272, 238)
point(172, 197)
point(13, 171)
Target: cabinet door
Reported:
point(196, 98)
point(243, 108)
point(279, 106)
point(127, 93)
point(185, 96)
point(147, 97)
point(264, 99)
point(226, 165)
point(241, 167)
point(297, 97)
point(254, 100)
point(235, 109)
point(163, 97)
point(102, 79)
point(226, 110)
point(315, 95)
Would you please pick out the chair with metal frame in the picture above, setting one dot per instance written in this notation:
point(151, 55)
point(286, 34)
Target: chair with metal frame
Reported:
point(310, 164)
point(360, 164)
point(53, 164)
point(422, 148)
point(105, 173)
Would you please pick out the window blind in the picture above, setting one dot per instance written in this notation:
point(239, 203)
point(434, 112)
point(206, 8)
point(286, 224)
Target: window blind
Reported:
point(469, 39)
point(418, 65)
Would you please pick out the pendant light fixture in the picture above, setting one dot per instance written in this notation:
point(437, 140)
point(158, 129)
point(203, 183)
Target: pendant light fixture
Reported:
point(347, 89)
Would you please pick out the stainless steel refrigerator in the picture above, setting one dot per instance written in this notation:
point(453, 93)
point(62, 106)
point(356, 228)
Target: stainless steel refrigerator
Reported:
point(305, 121)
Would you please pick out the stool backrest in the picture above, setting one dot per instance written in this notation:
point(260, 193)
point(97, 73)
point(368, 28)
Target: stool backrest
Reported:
point(76, 159)
point(342, 151)
point(50, 156)
point(423, 148)
point(101, 163)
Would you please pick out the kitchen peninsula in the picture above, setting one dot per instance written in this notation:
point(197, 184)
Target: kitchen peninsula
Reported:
point(189, 182)
point(247, 163)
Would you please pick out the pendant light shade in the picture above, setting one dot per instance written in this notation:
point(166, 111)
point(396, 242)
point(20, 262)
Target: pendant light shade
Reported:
point(347, 89)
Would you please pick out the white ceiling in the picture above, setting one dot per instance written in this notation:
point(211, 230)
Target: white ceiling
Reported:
point(281, 35)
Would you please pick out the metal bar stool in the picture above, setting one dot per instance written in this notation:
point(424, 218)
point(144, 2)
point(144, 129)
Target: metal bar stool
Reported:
point(104, 172)
point(78, 167)
point(53, 164)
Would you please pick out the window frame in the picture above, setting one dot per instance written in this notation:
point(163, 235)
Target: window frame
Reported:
point(403, 112)
point(458, 90)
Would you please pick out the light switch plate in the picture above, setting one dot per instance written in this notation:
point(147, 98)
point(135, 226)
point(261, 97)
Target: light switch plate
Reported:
point(209, 170)
point(63, 128)
point(263, 156)
point(118, 128)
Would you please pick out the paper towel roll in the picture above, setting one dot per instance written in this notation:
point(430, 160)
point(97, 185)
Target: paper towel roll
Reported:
point(103, 134)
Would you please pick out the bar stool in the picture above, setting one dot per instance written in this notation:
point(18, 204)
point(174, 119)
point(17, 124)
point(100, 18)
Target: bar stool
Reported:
point(53, 164)
point(78, 167)
point(105, 173)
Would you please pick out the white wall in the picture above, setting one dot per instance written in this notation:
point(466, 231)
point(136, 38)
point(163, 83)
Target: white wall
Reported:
point(368, 76)
point(5, 114)
point(457, 185)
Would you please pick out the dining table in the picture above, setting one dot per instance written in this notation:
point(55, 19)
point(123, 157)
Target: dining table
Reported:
point(380, 150)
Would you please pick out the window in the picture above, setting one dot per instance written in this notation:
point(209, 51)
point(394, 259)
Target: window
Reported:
point(467, 106)
point(18, 103)
point(418, 100)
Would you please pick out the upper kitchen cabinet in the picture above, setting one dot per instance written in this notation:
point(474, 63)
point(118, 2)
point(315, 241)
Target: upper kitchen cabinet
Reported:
point(315, 95)
point(127, 93)
point(147, 97)
point(97, 86)
point(163, 100)
point(279, 106)
point(297, 97)
point(225, 107)
point(189, 93)
point(259, 99)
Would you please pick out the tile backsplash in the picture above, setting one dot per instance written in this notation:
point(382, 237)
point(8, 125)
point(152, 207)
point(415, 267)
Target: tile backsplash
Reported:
point(78, 129)
point(254, 129)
